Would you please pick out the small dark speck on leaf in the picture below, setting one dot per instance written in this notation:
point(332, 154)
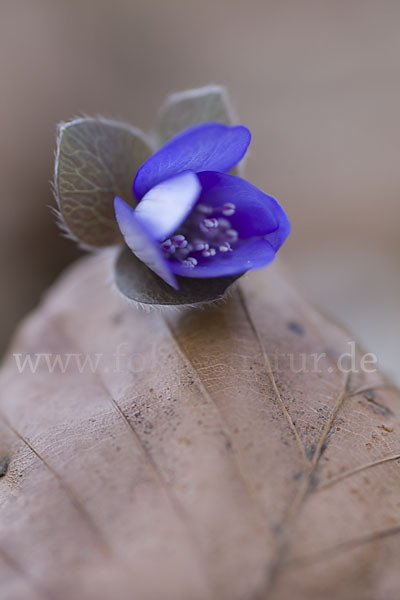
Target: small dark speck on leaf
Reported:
point(310, 452)
point(370, 401)
point(4, 464)
point(148, 427)
point(297, 476)
point(387, 429)
point(117, 318)
point(324, 447)
point(278, 529)
point(313, 481)
point(296, 328)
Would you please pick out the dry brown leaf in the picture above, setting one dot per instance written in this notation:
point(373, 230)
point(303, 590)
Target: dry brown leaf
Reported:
point(206, 468)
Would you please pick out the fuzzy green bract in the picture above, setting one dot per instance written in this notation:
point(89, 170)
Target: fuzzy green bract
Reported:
point(137, 282)
point(96, 160)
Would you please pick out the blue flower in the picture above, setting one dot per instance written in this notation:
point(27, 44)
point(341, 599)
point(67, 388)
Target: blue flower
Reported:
point(193, 218)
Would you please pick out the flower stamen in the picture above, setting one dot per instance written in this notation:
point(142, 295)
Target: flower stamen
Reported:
point(224, 223)
point(168, 246)
point(209, 224)
point(228, 209)
point(232, 235)
point(208, 253)
point(203, 234)
point(225, 247)
point(190, 262)
point(204, 209)
point(179, 240)
point(200, 245)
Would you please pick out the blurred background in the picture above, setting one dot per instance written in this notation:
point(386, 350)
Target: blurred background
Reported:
point(317, 82)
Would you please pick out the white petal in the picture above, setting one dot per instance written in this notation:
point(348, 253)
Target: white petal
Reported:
point(141, 243)
point(166, 206)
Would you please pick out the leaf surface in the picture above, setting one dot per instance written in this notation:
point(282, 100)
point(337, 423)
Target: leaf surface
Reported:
point(200, 459)
point(96, 160)
point(190, 107)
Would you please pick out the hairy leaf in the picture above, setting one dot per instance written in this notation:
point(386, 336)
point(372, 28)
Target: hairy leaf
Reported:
point(139, 283)
point(184, 109)
point(96, 160)
point(233, 452)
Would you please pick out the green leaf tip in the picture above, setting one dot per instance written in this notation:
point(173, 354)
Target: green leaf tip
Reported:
point(96, 160)
point(139, 284)
point(184, 109)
